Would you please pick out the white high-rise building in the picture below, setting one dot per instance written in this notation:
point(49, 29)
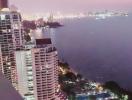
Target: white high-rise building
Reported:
point(25, 74)
point(37, 69)
point(45, 70)
point(11, 39)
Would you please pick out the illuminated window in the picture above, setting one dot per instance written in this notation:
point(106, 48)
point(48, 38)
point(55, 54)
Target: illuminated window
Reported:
point(3, 17)
point(15, 26)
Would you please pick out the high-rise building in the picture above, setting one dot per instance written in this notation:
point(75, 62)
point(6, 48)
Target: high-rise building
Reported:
point(1, 61)
point(11, 39)
point(25, 74)
point(37, 69)
point(3, 4)
point(45, 70)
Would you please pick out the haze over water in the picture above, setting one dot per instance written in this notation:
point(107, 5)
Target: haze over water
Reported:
point(100, 50)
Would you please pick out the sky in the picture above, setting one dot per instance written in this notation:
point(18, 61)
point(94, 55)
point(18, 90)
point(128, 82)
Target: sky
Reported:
point(33, 6)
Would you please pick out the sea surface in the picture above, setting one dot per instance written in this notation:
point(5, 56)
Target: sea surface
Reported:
point(101, 50)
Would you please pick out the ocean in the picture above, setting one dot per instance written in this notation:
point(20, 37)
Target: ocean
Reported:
point(100, 50)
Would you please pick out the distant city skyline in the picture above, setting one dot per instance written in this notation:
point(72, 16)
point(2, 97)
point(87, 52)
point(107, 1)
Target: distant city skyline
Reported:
point(29, 6)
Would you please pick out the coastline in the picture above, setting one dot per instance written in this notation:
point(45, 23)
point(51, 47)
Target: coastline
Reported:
point(111, 87)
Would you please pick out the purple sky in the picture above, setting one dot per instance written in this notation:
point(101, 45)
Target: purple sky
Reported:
point(71, 5)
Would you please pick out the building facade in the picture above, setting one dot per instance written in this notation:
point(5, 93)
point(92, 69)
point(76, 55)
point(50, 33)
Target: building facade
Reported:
point(45, 69)
point(11, 39)
point(25, 74)
point(37, 68)
point(1, 61)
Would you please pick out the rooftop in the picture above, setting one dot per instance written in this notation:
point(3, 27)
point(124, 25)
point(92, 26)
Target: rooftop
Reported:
point(43, 41)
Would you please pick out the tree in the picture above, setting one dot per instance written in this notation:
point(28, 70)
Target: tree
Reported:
point(115, 88)
point(71, 76)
